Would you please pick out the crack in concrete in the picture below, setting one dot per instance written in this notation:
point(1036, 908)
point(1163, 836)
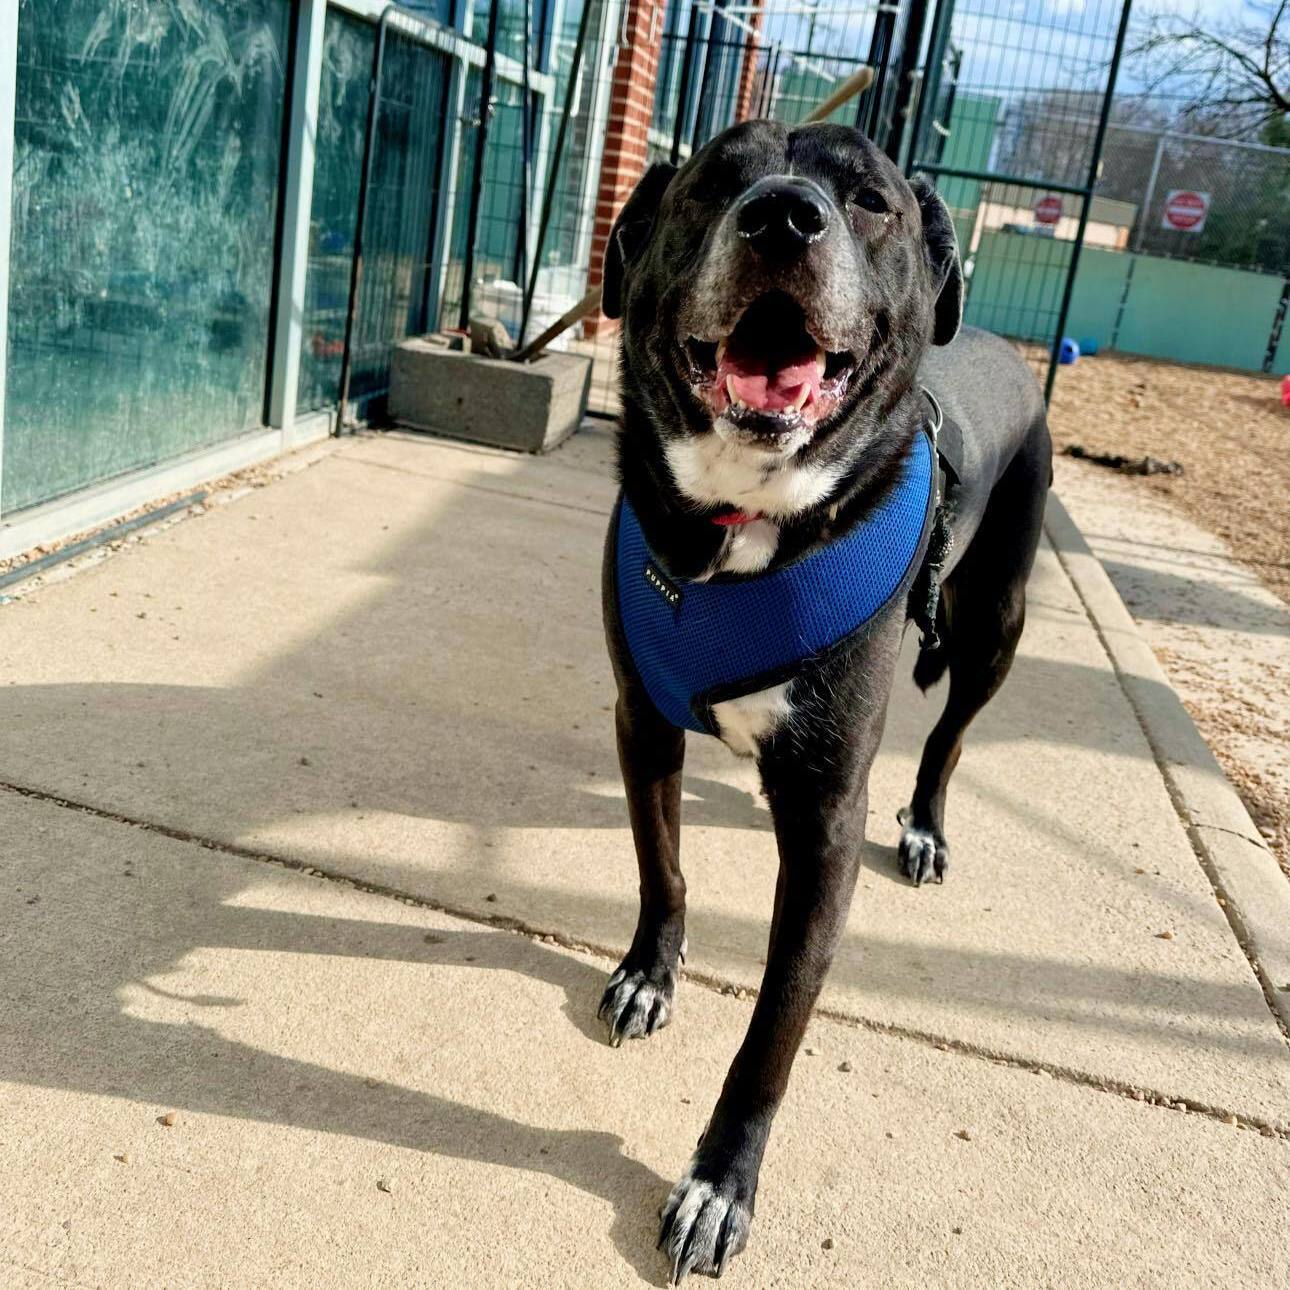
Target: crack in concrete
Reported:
point(710, 981)
point(1236, 833)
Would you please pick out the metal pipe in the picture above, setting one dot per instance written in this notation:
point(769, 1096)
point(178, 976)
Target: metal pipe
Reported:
point(687, 64)
point(113, 531)
point(1095, 164)
point(477, 179)
point(553, 174)
point(998, 177)
point(360, 221)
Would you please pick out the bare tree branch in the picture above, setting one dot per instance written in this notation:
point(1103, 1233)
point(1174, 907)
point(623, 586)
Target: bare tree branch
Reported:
point(1241, 65)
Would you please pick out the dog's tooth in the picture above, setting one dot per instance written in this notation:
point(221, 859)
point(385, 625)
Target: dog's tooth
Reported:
point(721, 351)
point(821, 359)
point(800, 402)
point(730, 390)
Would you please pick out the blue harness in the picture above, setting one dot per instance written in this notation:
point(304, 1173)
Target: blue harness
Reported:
point(696, 644)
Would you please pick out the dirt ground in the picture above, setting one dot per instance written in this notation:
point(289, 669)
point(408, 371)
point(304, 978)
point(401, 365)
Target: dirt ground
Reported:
point(1228, 429)
point(1202, 560)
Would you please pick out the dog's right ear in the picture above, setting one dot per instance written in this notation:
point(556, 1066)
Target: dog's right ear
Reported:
point(630, 233)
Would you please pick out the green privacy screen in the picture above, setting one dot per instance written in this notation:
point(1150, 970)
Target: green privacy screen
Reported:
point(145, 185)
point(1170, 309)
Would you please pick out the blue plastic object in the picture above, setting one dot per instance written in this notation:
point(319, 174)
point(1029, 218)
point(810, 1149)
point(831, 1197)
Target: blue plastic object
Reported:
point(694, 644)
point(1069, 350)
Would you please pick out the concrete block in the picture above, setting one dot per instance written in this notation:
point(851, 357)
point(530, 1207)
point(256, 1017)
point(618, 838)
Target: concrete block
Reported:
point(527, 406)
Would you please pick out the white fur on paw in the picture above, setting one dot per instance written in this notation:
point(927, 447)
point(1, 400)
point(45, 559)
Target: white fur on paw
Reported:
point(702, 1228)
point(633, 1006)
point(922, 858)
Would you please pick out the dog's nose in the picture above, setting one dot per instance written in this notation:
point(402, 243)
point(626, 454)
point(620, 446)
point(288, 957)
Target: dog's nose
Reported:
point(781, 217)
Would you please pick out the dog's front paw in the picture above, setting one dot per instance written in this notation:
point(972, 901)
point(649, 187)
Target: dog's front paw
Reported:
point(705, 1224)
point(924, 853)
point(637, 1002)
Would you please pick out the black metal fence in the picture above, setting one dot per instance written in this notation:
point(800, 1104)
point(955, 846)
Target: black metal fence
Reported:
point(484, 189)
point(1007, 165)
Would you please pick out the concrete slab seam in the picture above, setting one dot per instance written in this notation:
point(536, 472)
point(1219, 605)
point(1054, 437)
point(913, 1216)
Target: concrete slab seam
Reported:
point(1135, 666)
point(708, 981)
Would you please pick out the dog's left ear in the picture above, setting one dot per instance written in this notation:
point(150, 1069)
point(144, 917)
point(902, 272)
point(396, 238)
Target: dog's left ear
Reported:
point(630, 233)
point(943, 253)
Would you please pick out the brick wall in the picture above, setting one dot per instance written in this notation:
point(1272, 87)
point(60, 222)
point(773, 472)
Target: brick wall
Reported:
point(630, 109)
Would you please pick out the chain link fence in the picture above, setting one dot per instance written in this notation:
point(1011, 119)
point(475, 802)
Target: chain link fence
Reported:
point(1241, 218)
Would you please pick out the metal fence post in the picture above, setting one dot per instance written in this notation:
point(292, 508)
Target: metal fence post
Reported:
point(296, 206)
point(553, 172)
point(932, 70)
point(1278, 327)
point(1095, 164)
point(8, 104)
point(869, 103)
point(477, 180)
point(1145, 211)
point(911, 46)
point(683, 94)
point(700, 132)
point(360, 219)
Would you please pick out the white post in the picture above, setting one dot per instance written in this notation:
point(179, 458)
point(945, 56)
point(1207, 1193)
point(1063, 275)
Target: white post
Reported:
point(1145, 213)
point(297, 204)
point(8, 104)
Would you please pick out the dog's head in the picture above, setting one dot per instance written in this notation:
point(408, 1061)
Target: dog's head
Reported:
point(778, 291)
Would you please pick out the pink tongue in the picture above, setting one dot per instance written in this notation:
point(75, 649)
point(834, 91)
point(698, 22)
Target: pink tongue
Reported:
point(769, 391)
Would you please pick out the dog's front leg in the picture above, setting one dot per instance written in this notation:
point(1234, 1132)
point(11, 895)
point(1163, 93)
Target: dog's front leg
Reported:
point(817, 787)
point(651, 752)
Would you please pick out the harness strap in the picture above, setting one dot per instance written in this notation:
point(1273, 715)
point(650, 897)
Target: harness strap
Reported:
point(927, 595)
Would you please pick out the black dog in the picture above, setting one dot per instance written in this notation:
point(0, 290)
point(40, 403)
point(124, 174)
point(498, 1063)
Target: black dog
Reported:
point(778, 295)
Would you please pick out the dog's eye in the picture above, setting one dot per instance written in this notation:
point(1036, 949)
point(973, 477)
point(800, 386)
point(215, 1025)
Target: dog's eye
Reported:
point(869, 200)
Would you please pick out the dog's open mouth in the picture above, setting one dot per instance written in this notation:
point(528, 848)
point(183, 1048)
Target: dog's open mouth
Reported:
point(769, 376)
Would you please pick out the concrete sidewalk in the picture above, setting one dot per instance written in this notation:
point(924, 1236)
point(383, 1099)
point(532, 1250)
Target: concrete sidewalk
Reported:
point(388, 668)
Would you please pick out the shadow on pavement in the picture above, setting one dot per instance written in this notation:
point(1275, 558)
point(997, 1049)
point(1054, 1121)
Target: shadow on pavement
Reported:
point(80, 939)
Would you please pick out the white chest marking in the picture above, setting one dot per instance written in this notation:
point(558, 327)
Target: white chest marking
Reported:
point(745, 723)
point(714, 468)
point(748, 548)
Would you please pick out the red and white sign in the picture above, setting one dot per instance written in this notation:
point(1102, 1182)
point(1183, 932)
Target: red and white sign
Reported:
point(1048, 210)
point(1185, 210)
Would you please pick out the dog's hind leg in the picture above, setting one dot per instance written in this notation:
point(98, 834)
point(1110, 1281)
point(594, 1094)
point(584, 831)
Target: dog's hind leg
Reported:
point(651, 752)
point(985, 610)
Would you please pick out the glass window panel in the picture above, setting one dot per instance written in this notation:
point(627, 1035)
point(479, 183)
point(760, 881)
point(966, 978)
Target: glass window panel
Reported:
point(145, 197)
point(402, 203)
